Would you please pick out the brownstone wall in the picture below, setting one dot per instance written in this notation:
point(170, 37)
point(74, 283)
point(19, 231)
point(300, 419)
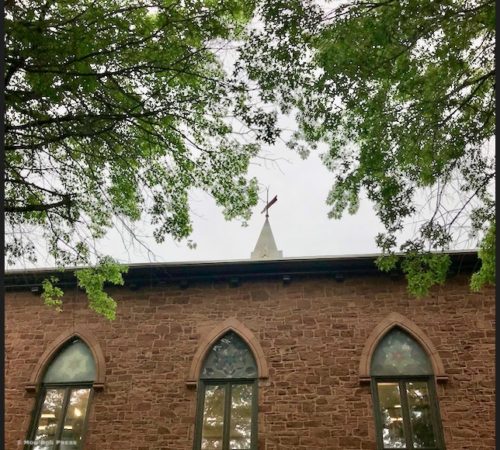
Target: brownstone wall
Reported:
point(312, 333)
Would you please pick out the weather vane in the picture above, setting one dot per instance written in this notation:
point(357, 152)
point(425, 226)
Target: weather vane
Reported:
point(269, 203)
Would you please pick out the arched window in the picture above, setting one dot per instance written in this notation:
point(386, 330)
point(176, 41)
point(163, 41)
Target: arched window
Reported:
point(406, 410)
point(60, 418)
point(227, 397)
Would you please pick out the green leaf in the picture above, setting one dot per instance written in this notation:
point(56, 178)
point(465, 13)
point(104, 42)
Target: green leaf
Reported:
point(487, 254)
point(52, 294)
point(424, 270)
point(92, 280)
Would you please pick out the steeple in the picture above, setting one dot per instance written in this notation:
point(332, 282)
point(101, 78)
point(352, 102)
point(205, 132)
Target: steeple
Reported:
point(266, 246)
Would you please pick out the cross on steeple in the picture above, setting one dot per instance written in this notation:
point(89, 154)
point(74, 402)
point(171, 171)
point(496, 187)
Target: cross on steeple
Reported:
point(266, 246)
point(269, 203)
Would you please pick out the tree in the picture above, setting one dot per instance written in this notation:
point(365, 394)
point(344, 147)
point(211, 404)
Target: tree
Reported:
point(402, 93)
point(115, 110)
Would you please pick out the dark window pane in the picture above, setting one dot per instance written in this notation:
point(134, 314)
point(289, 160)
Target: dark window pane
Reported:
point(420, 415)
point(50, 414)
point(393, 434)
point(230, 357)
point(240, 431)
point(74, 363)
point(399, 354)
point(213, 418)
point(74, 421)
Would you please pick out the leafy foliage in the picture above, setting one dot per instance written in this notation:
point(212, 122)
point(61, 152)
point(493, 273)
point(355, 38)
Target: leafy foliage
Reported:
point(424, 270)
point(51, 294)
point(402, 93)
point(486, 274)
point(92, 281)
point(114, 111)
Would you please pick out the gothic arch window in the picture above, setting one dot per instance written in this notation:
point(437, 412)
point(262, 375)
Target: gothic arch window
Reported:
point(227, 397)
point(403, 387)
point(64, 396)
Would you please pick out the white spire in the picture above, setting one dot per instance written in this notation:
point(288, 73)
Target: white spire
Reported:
point(266, 246)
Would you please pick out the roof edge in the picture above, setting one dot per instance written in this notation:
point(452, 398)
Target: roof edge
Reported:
point(150, 274)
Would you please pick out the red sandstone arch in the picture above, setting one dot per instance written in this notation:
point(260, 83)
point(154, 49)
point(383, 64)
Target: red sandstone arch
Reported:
point(207, 341)
point(397, 320)
point(49, 354)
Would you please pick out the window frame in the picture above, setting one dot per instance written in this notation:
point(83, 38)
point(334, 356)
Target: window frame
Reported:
point(402, 381)
point(227, 383)
point(68, 388)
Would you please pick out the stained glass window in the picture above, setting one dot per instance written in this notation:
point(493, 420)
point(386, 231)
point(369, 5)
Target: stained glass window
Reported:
point(399, 354)
point(227, 411)
point(64, 400)
point(403, 390)
point(74, 363)
point(230, 357)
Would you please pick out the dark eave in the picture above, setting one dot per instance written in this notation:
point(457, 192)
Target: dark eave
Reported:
point(184, 274)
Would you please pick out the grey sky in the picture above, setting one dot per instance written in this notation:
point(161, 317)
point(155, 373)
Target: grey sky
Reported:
point(299, 219)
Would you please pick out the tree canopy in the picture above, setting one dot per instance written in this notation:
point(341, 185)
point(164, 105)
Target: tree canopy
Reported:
point(116, 109)
point(403, 95)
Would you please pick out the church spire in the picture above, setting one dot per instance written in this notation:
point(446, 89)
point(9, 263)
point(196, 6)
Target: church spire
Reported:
point(266, 246)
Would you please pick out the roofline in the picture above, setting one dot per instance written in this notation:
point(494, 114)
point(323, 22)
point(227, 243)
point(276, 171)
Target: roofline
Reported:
point(183, 273)
point(51, 270)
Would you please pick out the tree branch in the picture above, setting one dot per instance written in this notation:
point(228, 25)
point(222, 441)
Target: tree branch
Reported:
point(40, 207)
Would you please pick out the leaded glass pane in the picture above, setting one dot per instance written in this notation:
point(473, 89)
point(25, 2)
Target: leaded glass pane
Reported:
point(230, 357)
point(393, 434)
point(72, 433)
point(240, 430)
point(420, 414)
point(74, 363)
point(50, 415)
point(399, 354)
point(213, 418)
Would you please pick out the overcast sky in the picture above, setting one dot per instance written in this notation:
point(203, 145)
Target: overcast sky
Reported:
point(299, 219)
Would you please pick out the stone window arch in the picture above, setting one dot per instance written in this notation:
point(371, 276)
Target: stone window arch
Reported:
point(401, 364)
point(75, 332)
point(210, 338)
point(226, 369)
point(65, 378)
point(397, 320)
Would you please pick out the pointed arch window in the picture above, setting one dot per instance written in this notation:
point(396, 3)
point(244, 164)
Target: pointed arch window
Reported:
point(60, 417)
point(227, 397)
point(406, 409)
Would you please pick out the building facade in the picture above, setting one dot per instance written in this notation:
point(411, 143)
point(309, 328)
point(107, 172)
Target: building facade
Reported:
point(318, 353)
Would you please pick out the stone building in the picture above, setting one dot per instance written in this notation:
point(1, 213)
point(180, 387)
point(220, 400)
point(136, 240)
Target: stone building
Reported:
point(267, 353)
